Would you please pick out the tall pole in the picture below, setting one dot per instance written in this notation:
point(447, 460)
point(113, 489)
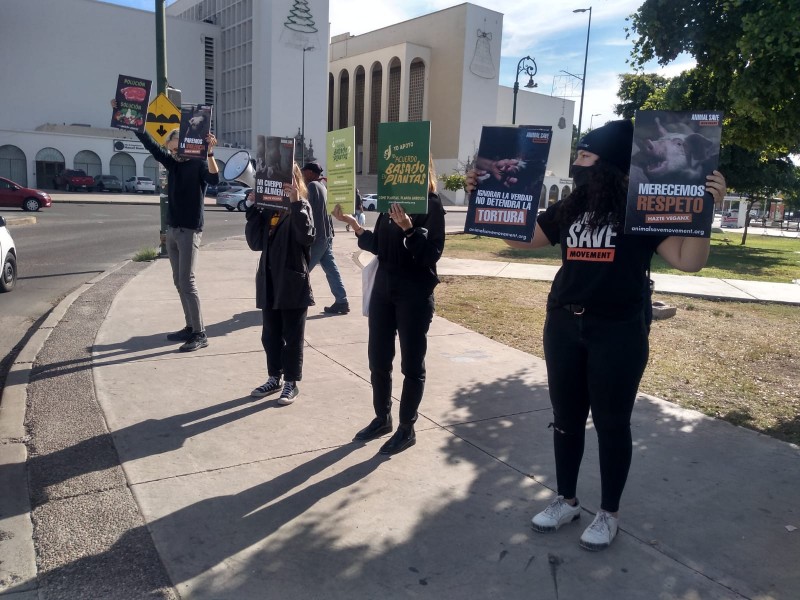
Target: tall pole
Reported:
point(161, 87)
point(585, 60)
point(529, 70)
point(303, 110)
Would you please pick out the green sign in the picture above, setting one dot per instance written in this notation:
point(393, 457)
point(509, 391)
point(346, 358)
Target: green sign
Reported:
point(342, 168)
point(403, 159)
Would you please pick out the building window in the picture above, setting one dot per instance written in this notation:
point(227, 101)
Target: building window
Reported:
point(359, 105)
point(416, 90)
point(344, 98)
point(374, 117)
point(394, 91)
point(330, 102)
point(88, 162)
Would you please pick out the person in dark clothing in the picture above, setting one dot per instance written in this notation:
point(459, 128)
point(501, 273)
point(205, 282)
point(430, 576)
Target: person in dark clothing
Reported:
point(322, 249)
point(407, 248)
point(595, 332)
point(187, 180)
point(283, 290)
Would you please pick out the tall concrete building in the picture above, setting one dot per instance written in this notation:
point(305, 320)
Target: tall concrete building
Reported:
point(268, 67)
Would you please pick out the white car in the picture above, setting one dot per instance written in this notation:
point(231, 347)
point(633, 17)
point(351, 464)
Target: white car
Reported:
point(234, 199)
point(140, 184)
point(8, 252)
point(370, 201)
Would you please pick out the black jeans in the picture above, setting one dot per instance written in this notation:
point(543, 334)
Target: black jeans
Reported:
point(594, 362)
point(408, 313)
point(282, 334)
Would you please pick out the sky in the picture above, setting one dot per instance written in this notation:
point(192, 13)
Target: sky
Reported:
point(546, 30)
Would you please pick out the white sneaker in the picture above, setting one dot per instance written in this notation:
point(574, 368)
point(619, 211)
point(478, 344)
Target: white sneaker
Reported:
point(600, 534)
point(558, 513)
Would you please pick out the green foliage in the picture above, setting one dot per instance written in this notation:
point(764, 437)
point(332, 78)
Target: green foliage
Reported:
point(454, 181)
point(145, 254)
point(748, 64)
point(639, 90)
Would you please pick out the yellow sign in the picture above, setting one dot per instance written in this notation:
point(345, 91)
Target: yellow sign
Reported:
point(162, 117)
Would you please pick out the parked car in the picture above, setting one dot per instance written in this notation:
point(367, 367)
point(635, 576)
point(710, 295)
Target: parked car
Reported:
point(234, 199)
point(15, 195)
point(73, 179)
point(140, 184)
point(222, 186)
point(107, 183)
point(8, 253)
point(370, 201)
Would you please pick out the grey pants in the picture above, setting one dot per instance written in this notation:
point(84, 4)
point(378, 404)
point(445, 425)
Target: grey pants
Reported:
point(182, 247)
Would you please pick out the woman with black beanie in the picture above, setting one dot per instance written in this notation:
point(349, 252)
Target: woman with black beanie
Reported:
point(595, 332)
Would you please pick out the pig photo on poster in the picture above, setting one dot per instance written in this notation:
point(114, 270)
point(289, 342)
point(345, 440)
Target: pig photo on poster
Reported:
point(672, 154)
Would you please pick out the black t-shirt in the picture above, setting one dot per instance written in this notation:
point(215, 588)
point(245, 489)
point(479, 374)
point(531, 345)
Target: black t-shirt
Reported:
point(603, 270)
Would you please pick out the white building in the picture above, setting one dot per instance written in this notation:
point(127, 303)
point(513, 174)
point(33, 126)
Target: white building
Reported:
point(267, 67)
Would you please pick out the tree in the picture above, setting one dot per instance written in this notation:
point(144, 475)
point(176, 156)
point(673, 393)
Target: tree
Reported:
point(636, 89)
point(748, 63)
point(756, 178)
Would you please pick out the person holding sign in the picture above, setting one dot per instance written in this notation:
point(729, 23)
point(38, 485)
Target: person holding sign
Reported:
point(407, 248)
point(283, 290)
point(596, 331)
point(187, 180)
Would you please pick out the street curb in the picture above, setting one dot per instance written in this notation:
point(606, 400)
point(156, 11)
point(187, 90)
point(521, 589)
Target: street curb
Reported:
point(18, 567)
point(14, 221)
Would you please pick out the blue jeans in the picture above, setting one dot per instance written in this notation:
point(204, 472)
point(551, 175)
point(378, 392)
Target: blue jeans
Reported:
point(322, 254)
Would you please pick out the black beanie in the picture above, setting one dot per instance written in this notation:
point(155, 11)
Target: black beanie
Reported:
point(612, 142)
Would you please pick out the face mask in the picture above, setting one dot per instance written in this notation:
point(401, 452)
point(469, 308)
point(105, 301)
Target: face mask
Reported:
point(581, 175)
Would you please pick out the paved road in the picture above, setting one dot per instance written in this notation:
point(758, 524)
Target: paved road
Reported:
point(72, 242)
point(69, 245)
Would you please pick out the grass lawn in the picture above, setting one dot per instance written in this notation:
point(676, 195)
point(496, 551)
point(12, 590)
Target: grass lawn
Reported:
point(763, 258)
point(737, 361)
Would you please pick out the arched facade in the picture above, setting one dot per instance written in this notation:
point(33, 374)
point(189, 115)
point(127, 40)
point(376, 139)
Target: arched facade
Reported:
point(49, 163)
point(88, 162)
point(151, 169)
point(123, 166)
point(13, 164)
point(382, 86)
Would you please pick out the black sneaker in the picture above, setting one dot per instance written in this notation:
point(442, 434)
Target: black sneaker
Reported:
point(180, 336)
point(338, 308)
point(197, 341)
point(289, 393)
point(272, 385)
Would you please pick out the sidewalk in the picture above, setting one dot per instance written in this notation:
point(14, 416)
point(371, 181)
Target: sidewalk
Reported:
point(246, 499)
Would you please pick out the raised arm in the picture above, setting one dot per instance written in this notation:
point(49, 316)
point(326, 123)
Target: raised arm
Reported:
point(690, 254)
point(539, 239)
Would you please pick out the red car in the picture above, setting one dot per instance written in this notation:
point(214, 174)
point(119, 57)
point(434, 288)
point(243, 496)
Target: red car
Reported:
point(13, 194)
point(73, 179)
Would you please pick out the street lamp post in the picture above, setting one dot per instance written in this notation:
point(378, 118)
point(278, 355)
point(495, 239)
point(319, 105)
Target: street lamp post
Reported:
point(530, 70)
point(585, 60)
point(591, 119)
point(303, 109)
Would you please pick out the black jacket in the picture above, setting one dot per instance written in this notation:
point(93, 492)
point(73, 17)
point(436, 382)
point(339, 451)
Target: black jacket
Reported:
point(409, 261)
point(186, 185)
point(282, 278)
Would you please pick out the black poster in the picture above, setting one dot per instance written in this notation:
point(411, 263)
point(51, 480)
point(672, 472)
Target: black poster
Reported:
point(132, 96)
point(511, 163)
point(195, 127)
point(672, 154)
point(274, 160)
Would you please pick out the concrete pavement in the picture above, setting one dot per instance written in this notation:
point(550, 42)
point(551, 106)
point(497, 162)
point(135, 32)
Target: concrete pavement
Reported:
point(242, 499)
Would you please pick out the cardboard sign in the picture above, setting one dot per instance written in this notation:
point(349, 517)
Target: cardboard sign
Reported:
point(132, 95)
point(672, 154)
point(195, 127)
point(274, 159)
point(403, 159)
point(342, 168)
point(511, 163)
